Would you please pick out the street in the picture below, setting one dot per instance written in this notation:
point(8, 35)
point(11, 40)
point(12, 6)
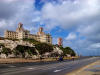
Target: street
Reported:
point(46, 68)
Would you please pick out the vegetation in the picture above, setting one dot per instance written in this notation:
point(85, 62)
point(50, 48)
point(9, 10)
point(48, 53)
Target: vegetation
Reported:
point(68, 50)
point(23, 49)
point(31, 41)
point(2, 38)
point(2, 45)
point(6, 50)
point(43, 47)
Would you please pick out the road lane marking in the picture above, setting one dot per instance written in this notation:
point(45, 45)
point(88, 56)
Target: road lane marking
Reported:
point(57, 70)
point(11, 66)
point(66, 68)
point(31, 68)
point(48, 68)
point(39, 66)
point(60, 69)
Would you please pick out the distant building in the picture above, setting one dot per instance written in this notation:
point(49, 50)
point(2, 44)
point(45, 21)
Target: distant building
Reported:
point(22, 33)
point(60, 41)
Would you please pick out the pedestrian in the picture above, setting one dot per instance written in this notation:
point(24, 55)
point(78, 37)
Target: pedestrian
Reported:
point(56, 58)
point(25, 57)
point(40, 58)
point(73, 58)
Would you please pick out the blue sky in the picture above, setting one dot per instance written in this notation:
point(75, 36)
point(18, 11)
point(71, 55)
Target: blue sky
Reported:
point(76, 21)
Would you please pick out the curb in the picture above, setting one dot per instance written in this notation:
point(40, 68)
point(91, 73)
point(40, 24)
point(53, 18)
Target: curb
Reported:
point(81, 69)
point(11, 61)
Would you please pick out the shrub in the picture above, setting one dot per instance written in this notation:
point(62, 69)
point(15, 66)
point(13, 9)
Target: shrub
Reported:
point(23, 49)
point(6, 50)
point(2, 45)
point(43, 47)
point(1, 38)
point(68, 50)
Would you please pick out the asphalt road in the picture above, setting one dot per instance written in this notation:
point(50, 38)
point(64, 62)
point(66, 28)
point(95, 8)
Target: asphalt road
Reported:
point(46, 68)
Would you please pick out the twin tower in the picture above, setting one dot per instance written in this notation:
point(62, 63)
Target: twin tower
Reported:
point(22, 33)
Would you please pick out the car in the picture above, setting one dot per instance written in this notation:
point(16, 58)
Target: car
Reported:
point(60, 59)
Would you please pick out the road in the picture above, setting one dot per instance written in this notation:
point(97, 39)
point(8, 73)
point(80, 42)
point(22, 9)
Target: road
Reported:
point(46, 68)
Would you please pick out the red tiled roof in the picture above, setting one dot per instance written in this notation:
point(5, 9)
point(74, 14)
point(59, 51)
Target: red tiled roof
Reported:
point(40, 27)
point(20, 23)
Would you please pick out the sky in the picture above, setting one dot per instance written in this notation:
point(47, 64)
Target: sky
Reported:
point(76, 21)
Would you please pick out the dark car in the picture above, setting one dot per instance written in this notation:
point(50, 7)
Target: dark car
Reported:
point(60, 59)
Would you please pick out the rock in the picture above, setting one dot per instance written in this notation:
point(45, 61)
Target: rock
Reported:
point(26, 54)
point(68, 55)
point(34, 57)
point(3, 55)
point(0, 48)
point(13, 44)
point(57, 50)
point(11, 55)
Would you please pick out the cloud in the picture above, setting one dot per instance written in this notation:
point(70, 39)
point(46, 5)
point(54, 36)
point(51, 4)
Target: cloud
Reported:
point(16, 11)
point(95, 45)
point(70, 13)
point(71, 36)
point(79, 16)
point(83, 15)
point(34, 30)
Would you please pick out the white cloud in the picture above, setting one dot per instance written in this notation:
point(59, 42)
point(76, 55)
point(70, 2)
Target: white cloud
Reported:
point(71, 36)
point(95, 45)
point(79, 16)
point(33, 30)
point(70, 13)
point(16, 11)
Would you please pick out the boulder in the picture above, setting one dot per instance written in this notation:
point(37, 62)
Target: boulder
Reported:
point(3, 55)
point(11, 55)
point(34, 57)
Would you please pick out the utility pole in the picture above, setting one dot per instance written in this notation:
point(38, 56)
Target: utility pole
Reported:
point(80, 54)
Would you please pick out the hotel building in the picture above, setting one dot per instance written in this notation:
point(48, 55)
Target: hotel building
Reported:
point(22, 33)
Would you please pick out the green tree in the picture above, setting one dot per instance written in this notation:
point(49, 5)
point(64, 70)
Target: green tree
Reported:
point(6, 50)
point(2, 45)
point(43, 47)
point(68, 50)
point(23, 49)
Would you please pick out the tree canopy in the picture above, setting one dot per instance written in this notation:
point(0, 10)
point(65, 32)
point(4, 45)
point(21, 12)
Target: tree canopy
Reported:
point(23, 49)
point(68, 50)
point(43, 47)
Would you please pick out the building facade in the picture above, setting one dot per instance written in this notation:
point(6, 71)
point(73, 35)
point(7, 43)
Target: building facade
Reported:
point(22, 33)
point(60, 41)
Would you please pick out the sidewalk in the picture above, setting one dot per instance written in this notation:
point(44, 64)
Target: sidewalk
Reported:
point(23, 60)
point(92, 69)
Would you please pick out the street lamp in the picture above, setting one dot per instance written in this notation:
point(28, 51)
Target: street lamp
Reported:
point(98, 54)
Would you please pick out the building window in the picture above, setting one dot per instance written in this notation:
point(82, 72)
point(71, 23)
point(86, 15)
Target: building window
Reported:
point(26, 33)
point(48, 40)
point(26, 36)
